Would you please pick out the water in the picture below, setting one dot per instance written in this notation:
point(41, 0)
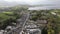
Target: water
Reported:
point(44, 7)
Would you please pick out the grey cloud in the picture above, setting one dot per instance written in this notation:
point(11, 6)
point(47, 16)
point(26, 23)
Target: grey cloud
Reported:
point(53, 2)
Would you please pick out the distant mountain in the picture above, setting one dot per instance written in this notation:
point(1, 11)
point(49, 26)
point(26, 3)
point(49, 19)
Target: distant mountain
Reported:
point(7, 4)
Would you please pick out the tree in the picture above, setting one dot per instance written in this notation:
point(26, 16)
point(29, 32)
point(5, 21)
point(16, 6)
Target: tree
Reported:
point(7, 18)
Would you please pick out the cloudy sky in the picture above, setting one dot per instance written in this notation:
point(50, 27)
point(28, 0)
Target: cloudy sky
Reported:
point(31, 2)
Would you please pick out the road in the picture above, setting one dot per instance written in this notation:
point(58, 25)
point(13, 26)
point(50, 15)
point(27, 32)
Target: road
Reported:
point(20, 25)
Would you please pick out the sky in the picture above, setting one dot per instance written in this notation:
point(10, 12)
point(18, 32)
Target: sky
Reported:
point(30, 2)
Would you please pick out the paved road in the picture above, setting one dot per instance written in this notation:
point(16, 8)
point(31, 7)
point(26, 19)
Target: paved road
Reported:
point(20, 25)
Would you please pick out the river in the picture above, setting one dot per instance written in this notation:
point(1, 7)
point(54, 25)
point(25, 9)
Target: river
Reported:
point(43, 7)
